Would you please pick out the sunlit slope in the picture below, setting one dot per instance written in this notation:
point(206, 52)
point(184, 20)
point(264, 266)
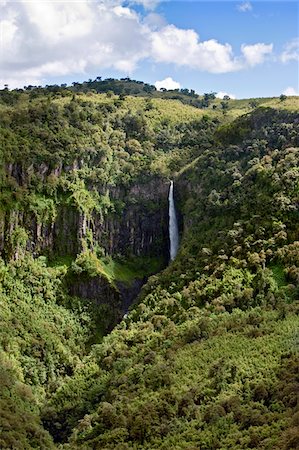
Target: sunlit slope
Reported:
point(171, 110)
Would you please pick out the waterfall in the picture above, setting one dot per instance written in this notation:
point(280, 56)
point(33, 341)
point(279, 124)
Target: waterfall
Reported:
point(173, 225)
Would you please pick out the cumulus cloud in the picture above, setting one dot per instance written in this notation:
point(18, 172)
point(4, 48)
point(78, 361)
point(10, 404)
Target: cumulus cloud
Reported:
point(222, 94)
point(154, 21)
point(257, 53)
point(290, 91)
point(244, 7)
point(168, 83)
point(42, 38)
point(182, 47)
point(291, 51)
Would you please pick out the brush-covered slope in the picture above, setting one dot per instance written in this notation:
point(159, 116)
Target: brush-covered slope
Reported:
point(83, 223)
point(208, 355)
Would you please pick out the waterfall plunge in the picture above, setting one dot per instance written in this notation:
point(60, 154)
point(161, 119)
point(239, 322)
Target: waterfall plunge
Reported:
point(173, 225)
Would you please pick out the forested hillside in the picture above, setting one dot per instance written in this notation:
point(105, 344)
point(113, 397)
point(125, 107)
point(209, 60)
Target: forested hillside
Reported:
point(103, 343)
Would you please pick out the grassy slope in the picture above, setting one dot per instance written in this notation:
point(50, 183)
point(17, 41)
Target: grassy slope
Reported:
point(174, 110)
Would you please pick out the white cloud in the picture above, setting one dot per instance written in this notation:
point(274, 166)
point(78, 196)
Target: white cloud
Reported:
point(120, 11)
point(57, 68)
point(154, 21)
point(168, 83)
point(8, 31)
point(59, 21)
point(182, 47)
point(290, 91)
point(41, 39)
point(256, 53)
point(244, 7)
point(291, 51)
point(60, 38)
point(221, 94)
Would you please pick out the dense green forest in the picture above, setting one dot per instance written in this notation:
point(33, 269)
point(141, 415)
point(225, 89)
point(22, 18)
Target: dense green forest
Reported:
point(103, 343)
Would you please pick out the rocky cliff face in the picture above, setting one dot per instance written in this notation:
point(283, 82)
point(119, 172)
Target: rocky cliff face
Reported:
point(135, 226)
point(139, 227)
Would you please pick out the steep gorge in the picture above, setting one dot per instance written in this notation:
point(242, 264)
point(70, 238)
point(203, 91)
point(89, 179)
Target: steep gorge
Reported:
point(133, 228)
point(197, 362)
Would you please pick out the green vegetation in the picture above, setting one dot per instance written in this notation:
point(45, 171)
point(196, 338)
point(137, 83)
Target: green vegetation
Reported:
point(19, 421)
point(207, 356)
point(213, 382)
point(115, 271)
point(129, 270)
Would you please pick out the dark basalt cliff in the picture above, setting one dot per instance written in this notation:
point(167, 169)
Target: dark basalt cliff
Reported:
point(136, 226)
point(139, 226)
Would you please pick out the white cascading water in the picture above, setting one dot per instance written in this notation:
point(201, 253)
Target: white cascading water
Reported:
point(173, 225)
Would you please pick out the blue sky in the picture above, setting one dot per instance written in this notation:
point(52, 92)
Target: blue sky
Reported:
point(269, 22)
point(246, 49)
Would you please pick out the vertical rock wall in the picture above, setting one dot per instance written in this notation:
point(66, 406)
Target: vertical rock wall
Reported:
point(138, 228)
